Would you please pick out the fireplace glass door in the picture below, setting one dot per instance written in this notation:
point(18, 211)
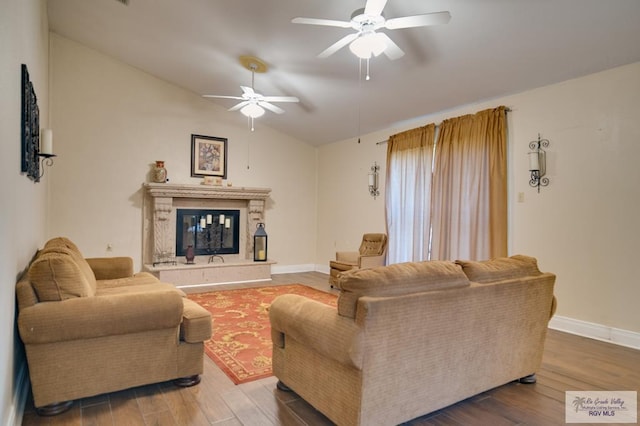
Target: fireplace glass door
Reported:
point(208, 231)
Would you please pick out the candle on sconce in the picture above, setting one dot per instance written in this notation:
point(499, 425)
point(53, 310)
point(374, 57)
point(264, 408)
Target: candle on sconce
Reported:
point(46, 142)
point(373, 180)
point(221, 219)
point(227, 223)
point(209, 219)
point(534, 161)
point(203, 223)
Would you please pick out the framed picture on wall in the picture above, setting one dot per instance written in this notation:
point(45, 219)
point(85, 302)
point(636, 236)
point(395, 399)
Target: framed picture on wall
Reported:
point(208, 156)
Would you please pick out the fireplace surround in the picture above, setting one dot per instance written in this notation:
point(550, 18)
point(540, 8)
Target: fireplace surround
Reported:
point(161, 204)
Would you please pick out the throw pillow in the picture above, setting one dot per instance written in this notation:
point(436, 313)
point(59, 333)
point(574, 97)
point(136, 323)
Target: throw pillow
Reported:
point(503, 268)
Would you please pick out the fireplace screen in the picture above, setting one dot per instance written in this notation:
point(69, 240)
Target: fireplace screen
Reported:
point(208, 231)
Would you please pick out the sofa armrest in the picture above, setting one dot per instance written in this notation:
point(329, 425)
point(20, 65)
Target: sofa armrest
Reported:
point(318, 326)
point(371, 261)
point(348, 257)
point(196, 322)
point(99, 316)
point(109, 268)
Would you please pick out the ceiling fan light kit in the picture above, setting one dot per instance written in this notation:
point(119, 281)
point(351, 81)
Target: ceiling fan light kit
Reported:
point(252, 111)
point(368, 45)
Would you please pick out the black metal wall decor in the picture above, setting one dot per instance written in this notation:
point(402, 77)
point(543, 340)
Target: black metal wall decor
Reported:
point(30, 129)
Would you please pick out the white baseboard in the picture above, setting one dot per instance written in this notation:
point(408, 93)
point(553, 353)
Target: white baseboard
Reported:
point(591, 330)
point(292, 269)
point(323, 268)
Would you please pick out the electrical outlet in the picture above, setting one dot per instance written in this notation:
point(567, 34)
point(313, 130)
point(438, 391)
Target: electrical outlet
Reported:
point(109, 247)
point(521, 197)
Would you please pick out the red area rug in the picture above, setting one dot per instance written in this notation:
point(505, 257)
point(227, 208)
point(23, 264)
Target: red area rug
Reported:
point(241, 341)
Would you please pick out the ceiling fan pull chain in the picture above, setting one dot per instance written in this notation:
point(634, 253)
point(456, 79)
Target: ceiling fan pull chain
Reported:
point(367, 77)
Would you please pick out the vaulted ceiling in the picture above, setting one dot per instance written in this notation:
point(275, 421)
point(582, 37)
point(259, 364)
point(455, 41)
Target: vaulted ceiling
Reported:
point(490, 48)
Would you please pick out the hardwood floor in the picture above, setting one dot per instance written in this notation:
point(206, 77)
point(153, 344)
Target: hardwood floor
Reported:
point(570, 363)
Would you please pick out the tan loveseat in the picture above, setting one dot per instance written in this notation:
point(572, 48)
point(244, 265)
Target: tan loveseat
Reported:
point(92, 326)
point(408, 339)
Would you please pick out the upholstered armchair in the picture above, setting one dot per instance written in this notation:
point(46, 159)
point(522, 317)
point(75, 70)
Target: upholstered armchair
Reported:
point(371, 254)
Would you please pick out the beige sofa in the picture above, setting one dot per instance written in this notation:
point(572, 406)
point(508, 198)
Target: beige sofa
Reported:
point(408, 339)
point(91, 326)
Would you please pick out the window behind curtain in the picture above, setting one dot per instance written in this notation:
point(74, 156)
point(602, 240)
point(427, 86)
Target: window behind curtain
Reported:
point(408, 187)
point(459, 208)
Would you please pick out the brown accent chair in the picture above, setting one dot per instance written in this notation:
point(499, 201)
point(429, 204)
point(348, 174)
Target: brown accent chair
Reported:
point(372, 253)
point(92, 326)
point(411, 338)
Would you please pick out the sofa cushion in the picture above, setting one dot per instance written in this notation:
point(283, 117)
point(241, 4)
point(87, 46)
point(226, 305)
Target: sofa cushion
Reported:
point(56, 276)
point(136, 286)
point(77, 258)
point(396, 280)
point(499, 269)
point(62, 242)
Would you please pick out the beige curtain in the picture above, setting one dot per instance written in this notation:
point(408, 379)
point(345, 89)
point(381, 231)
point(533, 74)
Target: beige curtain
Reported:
point(469, 194)
point(408, 191)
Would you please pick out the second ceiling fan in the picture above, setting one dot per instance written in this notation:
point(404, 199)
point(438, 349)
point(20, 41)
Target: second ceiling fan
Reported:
point(366, 42)
point(252, 104)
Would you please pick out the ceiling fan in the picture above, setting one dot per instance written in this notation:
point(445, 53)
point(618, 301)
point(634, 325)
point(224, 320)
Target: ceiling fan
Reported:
point(366, 42)
point(252, 104)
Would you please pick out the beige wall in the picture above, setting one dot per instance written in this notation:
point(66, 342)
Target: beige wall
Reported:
point(23, 39)
point(583, 226)
point(345, 208)
point(112, 121)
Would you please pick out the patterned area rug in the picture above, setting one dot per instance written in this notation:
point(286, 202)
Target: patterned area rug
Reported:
point(241, 341)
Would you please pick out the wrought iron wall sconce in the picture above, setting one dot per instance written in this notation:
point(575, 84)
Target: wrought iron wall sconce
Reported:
point(46, 151)
point(373, 180)
point(538, 163)
point(45, 160)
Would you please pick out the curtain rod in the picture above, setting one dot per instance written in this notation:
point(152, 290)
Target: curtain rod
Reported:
point(387, 140)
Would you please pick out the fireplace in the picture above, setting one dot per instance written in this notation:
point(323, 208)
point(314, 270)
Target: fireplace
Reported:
point(209, 232)
point(193, 215)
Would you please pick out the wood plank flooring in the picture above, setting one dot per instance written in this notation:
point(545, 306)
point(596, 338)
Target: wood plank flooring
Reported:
point(570, 363)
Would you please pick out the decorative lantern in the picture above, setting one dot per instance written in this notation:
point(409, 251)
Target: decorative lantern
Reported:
point(260, 244)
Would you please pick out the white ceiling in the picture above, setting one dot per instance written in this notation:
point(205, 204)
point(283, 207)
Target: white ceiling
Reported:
point(490, 48)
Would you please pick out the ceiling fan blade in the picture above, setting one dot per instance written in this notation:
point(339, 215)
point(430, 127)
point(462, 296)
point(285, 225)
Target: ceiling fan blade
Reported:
point(436, 18)
point(270, 107)
point(221, 97)
point(248, 91)
point(280, 99)
point(392, 51)
point(338, 45)
point(374, 7)
point(324, 22)
point(238, 106)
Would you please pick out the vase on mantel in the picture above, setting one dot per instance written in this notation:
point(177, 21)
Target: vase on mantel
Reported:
point(159, 172)
point(190, 255)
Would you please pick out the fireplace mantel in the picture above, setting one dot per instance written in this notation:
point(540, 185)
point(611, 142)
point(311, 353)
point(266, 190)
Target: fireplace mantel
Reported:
point(162, 200)
point(167, 190)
